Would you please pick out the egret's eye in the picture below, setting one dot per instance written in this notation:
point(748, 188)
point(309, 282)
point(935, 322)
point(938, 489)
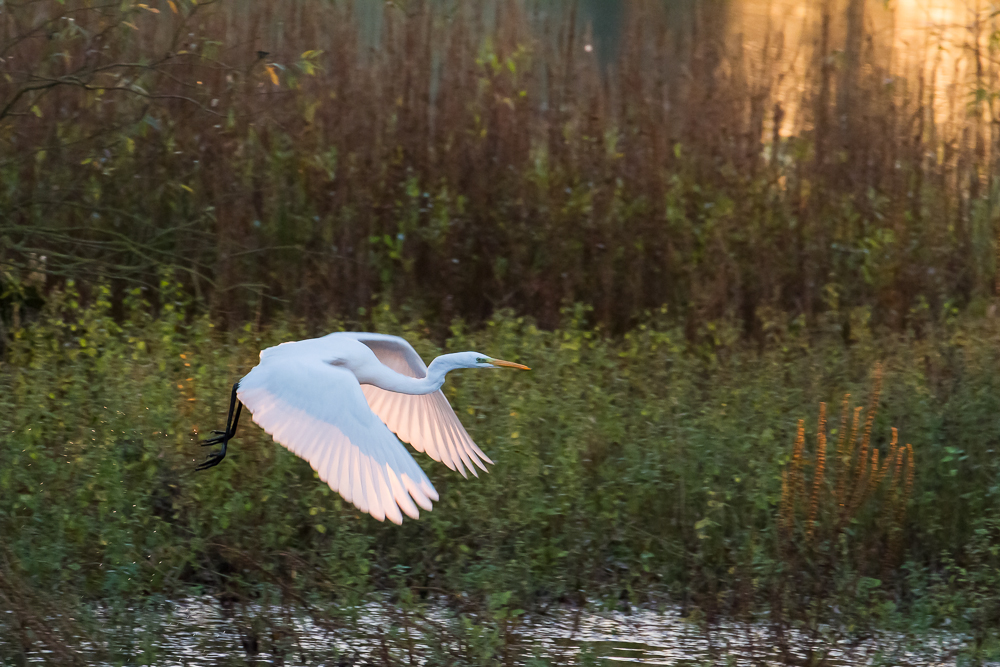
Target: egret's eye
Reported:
point(482, 360)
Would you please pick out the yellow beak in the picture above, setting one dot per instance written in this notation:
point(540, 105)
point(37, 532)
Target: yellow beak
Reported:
point(508, 364)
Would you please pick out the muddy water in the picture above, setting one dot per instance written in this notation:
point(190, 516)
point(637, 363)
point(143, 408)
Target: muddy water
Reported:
point(201, 632)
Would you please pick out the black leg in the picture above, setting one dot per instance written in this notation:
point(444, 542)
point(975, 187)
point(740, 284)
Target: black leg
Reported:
point(223, 437)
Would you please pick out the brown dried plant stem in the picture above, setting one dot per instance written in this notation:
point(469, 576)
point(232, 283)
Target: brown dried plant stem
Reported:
point(820, 470)
point(896, 506)
point(844, 464)
point(792, 485)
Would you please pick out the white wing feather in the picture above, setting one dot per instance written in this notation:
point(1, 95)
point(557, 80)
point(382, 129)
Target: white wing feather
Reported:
point(425, 421)
point(318, 411)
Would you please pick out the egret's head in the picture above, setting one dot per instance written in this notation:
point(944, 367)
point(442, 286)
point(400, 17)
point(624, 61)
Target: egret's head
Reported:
point(479, 360)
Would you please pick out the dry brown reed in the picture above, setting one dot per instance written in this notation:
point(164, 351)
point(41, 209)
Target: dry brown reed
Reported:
point(841, 440)
point(820, 470)
point(896, 507)
point(897, 468)
point(873, 477)
point(798, 462)
point(792, 484)
point(861, 486)
point(844, 461)
point(891, 456)
point(276, 161)
point(910, 471)
point(872, 411)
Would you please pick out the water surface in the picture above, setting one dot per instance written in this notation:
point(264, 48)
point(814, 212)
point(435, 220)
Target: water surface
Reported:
point(200, 631)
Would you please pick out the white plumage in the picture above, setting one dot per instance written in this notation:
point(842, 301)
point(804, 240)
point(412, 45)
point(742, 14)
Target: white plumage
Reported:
point(337, 401)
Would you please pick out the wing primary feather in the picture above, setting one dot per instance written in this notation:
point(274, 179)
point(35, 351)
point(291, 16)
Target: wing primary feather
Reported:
point(444, 452)
point(416, 491)
point(319, 454)
point(353, 483)
point(343, 469)
point(402, 496)
point(397, 407)
point(429, 491)
point(382, 490)
point(371, 492)
point(411, 424)
point(427, 431)
point(388, 498)
point(452, 435)
point(470, 456)
point(471, 449)
point(454, 447)
point(444, 433)
point(463, 435)
point(375, 496)
point(480, 452)
point(401, 461)
point(415, 419)
point(471, 443)
point(326, 466)
point(333, 462)
point(312, 449)
point(381, 455)
point(347, 479)
point(357, 481)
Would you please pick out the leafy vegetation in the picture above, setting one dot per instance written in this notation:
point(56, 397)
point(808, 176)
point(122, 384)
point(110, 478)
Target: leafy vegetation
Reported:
point(629, 470)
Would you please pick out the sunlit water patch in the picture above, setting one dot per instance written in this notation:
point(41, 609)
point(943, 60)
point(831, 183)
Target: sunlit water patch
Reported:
point(203, 632)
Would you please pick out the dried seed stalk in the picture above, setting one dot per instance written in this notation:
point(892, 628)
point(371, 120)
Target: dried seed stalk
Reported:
point(820, 469)
point(797, 483)
point(896, 528)
point(872, 411)
point(910, 471)
point(873, 478)
point(843, 428)
point(845, 454)
point(890, 457)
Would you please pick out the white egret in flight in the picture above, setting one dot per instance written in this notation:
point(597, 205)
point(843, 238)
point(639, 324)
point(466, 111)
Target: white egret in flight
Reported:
point(336, 401)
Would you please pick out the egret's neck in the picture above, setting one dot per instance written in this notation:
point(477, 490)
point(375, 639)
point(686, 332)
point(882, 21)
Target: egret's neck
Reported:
point(384, 377)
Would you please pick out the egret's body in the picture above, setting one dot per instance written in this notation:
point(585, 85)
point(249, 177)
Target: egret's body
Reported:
point(337, 402)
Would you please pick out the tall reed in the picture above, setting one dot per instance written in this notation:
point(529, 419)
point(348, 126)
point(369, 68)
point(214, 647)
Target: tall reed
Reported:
point(475, 160)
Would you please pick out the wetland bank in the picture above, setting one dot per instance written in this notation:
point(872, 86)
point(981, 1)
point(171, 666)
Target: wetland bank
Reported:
point(698, 253)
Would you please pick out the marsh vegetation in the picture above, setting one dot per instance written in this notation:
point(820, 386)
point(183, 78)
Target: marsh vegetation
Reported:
point(698, 259)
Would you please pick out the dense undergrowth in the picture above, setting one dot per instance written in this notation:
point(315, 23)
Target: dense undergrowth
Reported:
point(631, 470)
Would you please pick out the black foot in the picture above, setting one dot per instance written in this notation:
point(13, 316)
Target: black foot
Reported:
point(223, 437)
point(218, 440)
point(214, 459)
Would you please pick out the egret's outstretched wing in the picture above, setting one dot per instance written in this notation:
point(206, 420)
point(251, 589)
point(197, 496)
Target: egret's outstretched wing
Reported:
point(426, 421)
point(319, 413)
